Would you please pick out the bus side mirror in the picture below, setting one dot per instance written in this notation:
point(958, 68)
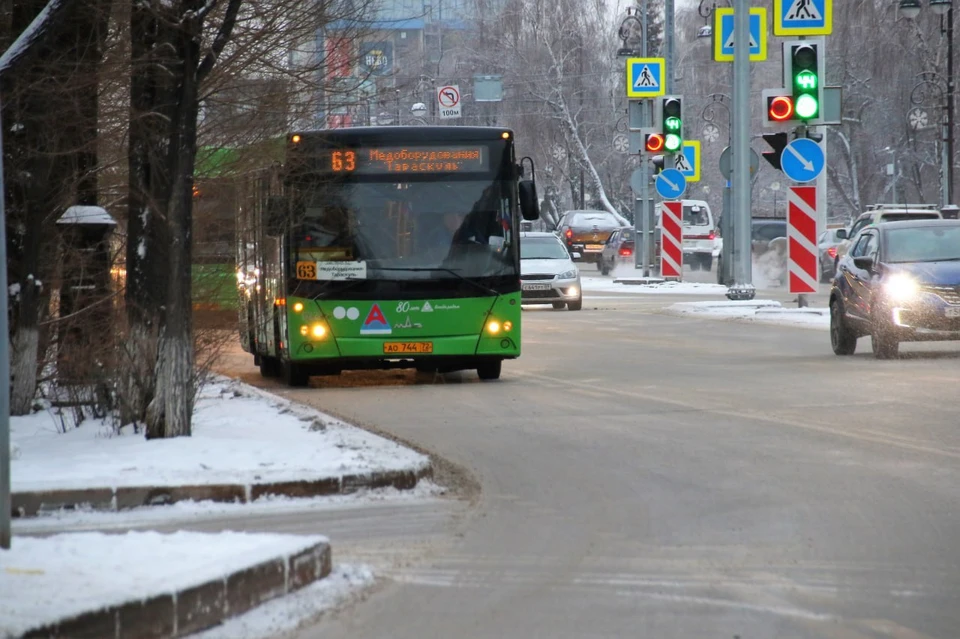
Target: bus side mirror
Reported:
point(276, 215)
point(529, 206)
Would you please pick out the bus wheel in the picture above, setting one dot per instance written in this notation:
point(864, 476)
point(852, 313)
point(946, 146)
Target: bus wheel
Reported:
point(490, 370)
point(295, 375)
point(268, 366)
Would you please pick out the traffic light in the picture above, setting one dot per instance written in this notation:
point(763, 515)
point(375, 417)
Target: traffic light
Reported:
point(805, 79)
point(653, 142)
point(672, 124)
point(779, 108)
point(778, 142)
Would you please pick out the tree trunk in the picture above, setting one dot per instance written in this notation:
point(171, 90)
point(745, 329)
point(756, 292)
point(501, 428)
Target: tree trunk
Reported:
point(23, 369)
point(172, 407)
point(147, 237)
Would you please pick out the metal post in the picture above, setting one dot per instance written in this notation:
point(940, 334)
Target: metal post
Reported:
point(743, 274)
point(641, 243)
point(725, 268)
point(5, 504)
point(948, 145)
point(668, 37)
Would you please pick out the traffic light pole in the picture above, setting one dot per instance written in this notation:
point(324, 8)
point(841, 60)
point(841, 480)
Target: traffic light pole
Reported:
point(743, 272)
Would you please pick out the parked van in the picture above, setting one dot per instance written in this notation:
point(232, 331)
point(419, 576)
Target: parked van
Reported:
point(701, 241)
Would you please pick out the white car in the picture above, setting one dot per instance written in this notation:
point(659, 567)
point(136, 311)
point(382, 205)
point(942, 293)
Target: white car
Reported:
point(547, 272)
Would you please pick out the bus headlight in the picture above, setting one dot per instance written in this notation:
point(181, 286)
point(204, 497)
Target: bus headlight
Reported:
point(493, 327)
point(297, 307)
point(304, 330)
point(318, 331)
point(507, 325)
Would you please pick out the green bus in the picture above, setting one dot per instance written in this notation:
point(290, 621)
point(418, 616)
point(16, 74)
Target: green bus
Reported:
point(385, 247)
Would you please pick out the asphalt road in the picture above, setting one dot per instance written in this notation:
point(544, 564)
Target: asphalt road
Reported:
point(649, 476)
point(643, 475)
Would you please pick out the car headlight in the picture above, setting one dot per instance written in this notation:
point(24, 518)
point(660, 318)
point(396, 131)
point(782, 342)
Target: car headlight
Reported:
point(900, 287)
point(568, 275)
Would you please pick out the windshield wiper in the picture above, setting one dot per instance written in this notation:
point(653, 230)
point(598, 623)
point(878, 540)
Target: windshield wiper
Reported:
point(423, 269)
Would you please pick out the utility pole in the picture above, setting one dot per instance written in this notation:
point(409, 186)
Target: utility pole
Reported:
point(6, 505)
point(743, 274)
point(668, 36)
point(948, 138)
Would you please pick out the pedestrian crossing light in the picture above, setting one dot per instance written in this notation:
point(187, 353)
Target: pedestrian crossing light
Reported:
point(805, 80)
point(672, 124)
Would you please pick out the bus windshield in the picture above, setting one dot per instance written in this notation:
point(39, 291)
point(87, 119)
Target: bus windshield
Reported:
point(378, 230)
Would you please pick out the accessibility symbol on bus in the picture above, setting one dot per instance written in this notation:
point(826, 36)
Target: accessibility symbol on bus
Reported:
point(376, 323)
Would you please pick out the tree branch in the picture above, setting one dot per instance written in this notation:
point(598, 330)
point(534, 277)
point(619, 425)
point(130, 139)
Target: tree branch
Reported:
point(221, 39)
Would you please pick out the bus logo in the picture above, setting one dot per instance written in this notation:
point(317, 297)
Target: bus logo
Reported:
point(376, 323)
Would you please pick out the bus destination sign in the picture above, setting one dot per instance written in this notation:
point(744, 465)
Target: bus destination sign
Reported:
point(408, 159)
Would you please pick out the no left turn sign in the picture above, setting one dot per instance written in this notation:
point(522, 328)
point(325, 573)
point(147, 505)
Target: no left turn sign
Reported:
point(448, 101)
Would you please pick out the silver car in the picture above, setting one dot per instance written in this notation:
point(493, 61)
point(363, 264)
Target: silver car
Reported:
point(547, 272)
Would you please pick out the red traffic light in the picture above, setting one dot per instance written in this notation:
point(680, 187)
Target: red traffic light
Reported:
point(654, 143)
point(780, 108)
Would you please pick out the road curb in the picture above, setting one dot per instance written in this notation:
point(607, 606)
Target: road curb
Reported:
point(31, 503)
point(190, 610)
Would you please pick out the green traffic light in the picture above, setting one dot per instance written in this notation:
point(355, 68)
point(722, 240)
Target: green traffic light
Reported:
point(806, 81)
point(673, 142)
point(672, 124)
point(807, 107)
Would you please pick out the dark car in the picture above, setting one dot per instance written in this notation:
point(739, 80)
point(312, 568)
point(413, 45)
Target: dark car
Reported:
point(618, 250)
point(899, 282)
point(766, 234)
point(586, 232)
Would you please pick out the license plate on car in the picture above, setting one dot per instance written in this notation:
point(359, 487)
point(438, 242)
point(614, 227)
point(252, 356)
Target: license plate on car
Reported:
point(594, 247)
point(407, 347)
point(953, 311)
point(536, 287)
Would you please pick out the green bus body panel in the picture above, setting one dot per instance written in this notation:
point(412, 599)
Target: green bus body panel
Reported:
point(359, 328)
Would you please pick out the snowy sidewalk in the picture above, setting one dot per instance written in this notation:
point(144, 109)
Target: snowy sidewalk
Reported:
point(246, 444)
point(146, 584)
point(758, 311)
point(648, 286)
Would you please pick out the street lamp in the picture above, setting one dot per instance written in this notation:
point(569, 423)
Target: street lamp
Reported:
point(418, 110)
point(943, 8)
point(706, 10)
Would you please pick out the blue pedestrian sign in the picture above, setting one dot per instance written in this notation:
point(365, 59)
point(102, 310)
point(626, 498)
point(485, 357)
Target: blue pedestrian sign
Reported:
point(688, 160)
point(802, 17)
point(671, 184)
point(802, 160)
point(645, 77)
point(723, 38)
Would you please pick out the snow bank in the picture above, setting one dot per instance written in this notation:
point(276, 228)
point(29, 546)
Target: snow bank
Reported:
point(760, 311)
point(240, 435)
point(46, 579)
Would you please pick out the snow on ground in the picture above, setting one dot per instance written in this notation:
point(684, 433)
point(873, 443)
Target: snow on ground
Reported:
point(50, 578)
point(193, 511)
point(285, 614)
point(240, 435)
point(607, 285)
point(760, 311)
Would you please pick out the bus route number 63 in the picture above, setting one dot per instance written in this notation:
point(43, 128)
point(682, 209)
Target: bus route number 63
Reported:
point(306, 270)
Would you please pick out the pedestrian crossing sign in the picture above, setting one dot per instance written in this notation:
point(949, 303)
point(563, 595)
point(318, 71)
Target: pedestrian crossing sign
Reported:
point(723, 34)
point(802, 17)
point(688, 160)
point(645, 77)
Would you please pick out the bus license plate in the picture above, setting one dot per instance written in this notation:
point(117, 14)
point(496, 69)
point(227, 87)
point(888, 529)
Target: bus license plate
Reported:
point(952, 311)
point(407, 347)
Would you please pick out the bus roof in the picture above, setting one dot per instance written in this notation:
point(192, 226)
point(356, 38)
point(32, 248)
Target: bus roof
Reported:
point(407, 134)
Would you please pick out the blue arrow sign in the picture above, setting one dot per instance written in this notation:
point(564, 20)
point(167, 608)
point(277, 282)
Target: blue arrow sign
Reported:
point(671, 184)
point(802, 160)
point(723, 45)
point(802, 17)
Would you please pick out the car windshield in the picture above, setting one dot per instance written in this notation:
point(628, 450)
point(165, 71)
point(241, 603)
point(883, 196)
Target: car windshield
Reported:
point(769, 232)
point(389, 230)
point(542, 248)
point(923, 244)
